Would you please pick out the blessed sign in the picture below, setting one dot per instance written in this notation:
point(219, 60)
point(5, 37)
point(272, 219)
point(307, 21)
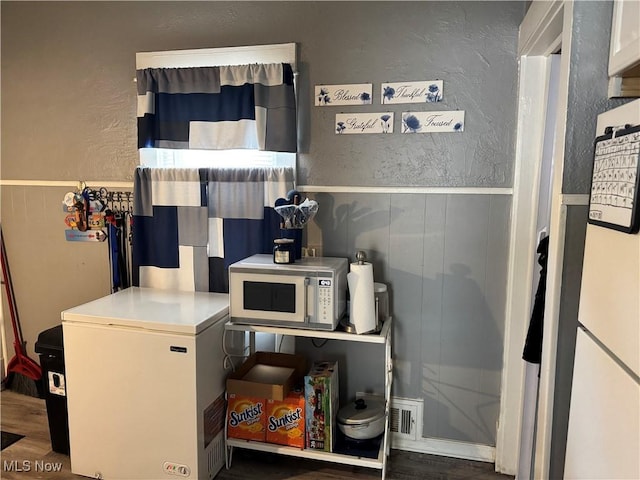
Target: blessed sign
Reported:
point(335, 95)
point(360, 123)
point(411, 92)
point(426, 122)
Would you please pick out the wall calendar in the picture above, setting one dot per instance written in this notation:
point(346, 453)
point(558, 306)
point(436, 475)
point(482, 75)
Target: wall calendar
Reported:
point(613, 201)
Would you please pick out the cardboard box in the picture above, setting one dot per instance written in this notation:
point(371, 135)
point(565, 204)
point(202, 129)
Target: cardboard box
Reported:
point(322, 402)
point(285, 420)
point(246, 418)
point(267, 375)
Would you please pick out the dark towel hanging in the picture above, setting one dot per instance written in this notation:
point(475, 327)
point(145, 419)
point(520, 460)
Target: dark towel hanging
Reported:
point(118, 247)
point(533, 344)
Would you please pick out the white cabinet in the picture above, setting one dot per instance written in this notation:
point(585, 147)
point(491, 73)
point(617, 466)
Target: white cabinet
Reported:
point(383, 338)
point(624, 50)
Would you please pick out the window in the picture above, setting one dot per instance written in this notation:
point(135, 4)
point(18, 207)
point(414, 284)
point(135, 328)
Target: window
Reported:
point(164, 157)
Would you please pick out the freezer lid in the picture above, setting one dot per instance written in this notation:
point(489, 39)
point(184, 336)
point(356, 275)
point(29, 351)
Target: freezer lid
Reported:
point(153, 309)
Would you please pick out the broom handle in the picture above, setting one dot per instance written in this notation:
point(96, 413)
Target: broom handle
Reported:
point(11, 299)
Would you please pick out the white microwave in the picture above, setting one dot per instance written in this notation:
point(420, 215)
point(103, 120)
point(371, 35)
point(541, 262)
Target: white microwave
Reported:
point(310, 293)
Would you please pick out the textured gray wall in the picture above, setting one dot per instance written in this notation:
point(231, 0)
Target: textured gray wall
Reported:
point(68, 113)
point(72, 54)
point(587, 96)
point(469, 45)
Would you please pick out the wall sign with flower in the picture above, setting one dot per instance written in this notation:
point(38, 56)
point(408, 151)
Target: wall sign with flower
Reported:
point(360, 123)
point(411, 92)
point(426, 122)
point(336, 95)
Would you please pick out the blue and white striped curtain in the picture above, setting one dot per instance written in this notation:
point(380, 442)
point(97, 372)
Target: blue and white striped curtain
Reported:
point(189, 225)
point(217, 108)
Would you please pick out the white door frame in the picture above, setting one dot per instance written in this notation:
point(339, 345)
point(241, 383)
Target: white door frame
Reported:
point(546, 26)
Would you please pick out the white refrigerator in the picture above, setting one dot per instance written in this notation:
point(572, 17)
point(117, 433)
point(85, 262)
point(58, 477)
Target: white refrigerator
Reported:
point(145, 384)
point(603, 439)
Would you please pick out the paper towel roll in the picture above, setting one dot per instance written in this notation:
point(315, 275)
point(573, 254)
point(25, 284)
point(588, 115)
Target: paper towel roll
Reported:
point(362, 308)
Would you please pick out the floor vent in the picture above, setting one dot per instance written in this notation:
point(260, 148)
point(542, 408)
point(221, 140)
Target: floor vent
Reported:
point(405, 418)
point(216, 459)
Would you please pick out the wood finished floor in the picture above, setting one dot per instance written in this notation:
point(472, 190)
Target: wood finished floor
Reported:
point(27, 416)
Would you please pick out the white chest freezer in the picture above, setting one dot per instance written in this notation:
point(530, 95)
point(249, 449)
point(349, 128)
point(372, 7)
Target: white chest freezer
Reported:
point(145, 384)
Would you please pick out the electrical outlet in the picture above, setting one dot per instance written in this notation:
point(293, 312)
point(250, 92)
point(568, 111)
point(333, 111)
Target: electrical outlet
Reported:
point(308, 252)
point(313, 251)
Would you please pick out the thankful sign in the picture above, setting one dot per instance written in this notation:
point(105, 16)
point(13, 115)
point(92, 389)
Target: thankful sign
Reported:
point(411, 92)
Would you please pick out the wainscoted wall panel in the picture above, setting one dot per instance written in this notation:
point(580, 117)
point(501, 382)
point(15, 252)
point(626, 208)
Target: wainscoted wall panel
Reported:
point(444, 259)
point(496, 295)
point(432, 310)
point(48, 273)
point(408, 259)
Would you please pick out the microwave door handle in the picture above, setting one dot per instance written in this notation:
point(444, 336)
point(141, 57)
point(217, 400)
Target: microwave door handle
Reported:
point(307, 317)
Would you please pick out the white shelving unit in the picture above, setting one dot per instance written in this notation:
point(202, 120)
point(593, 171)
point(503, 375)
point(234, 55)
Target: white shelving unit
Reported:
point(382, 338)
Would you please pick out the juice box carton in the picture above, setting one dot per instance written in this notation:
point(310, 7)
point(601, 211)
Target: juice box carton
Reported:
point(285, 420)
point(321, 406)
point(246, 417)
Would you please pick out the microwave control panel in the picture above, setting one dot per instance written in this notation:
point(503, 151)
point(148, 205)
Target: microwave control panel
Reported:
point(325, 300)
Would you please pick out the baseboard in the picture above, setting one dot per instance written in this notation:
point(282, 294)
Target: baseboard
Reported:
point(447, 448)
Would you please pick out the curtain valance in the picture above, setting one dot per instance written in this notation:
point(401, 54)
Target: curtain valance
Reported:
point(217, 108)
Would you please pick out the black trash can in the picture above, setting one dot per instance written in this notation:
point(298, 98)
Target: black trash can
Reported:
point(50, 347)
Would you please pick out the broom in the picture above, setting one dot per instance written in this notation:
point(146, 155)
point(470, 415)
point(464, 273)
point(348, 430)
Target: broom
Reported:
point(23, 374)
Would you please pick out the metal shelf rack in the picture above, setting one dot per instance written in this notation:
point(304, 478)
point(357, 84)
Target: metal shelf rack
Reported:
point(382, 338)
